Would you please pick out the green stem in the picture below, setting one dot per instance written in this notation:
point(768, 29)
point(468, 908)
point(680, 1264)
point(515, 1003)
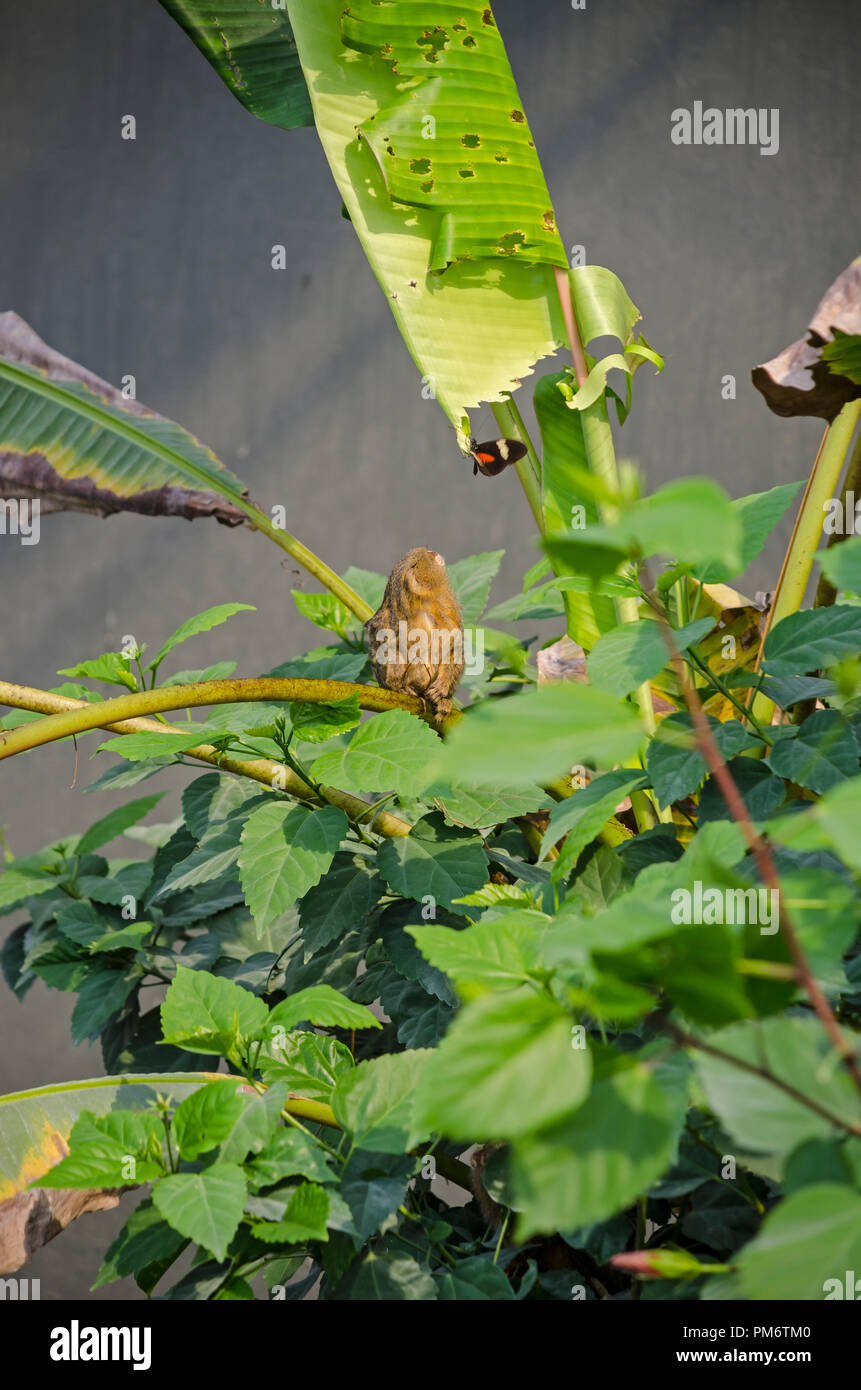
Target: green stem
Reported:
point(644, 805)
point(316, 1110)
point(311, 562)
point(826, 594)
point(798, 562)
point(601, 458)
point(172, 1164)
point(297, 1124)
point(523, 434)
point(269, 773)
point(809, 1102)
point(723, 689)
point(225, 692)
point(508, 418)
point(502, 1229)
point(681, 590)
point(639, 1242)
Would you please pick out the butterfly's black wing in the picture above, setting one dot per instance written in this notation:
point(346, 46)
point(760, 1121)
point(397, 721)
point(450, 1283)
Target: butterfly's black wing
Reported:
point(491, 458)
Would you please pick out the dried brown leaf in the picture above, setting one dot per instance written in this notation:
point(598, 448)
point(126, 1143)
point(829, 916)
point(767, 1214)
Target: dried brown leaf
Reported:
point(797, 381)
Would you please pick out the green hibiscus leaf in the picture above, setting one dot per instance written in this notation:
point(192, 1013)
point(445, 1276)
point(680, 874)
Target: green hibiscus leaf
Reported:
point(390, 752)
point(205, 1013)
point(805, 1247)
point(593, 1163)
point(374, 1102)
point(285, 851)
point(435, 859)
point(206, 1207)
point(509, 1064)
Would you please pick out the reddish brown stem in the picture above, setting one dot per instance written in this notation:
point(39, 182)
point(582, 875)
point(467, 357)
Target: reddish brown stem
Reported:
point(563, 285)
point(688, 1040)
point(761, 851)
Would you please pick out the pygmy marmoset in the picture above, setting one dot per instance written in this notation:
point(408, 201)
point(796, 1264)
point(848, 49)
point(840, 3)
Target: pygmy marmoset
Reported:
point(416, 635)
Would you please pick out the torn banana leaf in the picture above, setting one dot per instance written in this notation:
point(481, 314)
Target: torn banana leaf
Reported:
point(77, 444)
point(421, 122)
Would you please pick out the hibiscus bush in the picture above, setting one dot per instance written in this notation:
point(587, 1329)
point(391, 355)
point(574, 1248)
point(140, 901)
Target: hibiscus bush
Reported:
point(557, 997)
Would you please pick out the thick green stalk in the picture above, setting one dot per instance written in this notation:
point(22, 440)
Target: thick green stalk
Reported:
point(522, 434)
point(601, 457)
point(798, 562)
point(826, 594)
point(309, 561)
point(172, 697)
point(263, 770)
point(508, 418)
point(316, 1110)
point(322, 1114)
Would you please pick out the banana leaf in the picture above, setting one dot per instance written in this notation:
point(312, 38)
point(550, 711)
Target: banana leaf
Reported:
point(420, 119)
point(78, 444)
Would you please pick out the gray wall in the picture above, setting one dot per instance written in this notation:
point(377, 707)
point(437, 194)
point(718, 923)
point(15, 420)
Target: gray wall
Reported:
point(152, 258)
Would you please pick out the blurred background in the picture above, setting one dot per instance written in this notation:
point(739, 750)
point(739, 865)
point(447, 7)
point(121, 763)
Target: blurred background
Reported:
point(152, 257)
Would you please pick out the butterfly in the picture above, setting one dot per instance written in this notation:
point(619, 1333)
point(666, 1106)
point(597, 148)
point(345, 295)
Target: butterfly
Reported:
point(496, 454)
